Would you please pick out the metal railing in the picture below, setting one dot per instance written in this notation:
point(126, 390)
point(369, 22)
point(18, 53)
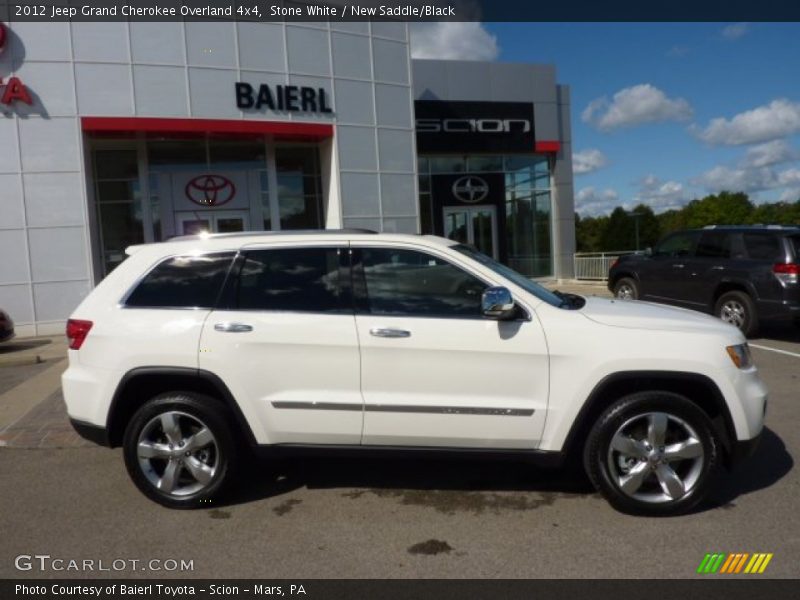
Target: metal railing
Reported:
point(595, 265)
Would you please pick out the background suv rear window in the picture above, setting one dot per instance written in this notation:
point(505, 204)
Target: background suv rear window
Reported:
point(763, 246)
point(182, 282)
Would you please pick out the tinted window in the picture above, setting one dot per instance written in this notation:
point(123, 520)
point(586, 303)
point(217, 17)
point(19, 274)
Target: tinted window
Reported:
point(182, 282)
point(714, 244)
point(680, 244)
point(795, 241)
point(407, 282)
point(763, 246)
point(292, 279)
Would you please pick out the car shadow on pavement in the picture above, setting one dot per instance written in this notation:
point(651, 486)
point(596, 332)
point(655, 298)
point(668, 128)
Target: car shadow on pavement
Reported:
point(770, 463)
point(779, 332)
point(477, 484)
point(457, 479)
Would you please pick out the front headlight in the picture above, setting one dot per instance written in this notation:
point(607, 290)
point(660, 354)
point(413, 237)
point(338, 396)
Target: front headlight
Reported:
point(740, 355)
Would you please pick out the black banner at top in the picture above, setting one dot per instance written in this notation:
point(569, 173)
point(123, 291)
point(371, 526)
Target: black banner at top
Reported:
point(400, 10)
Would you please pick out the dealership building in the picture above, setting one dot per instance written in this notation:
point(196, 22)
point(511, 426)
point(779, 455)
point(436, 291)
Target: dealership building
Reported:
point(119, 133)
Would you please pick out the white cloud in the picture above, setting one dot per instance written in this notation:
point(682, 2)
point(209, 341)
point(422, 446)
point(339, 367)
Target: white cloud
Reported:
point(588, 160)
point(750, 179)
point(592, 202)
point(453, 41)
point(735, 31)
point(643, 103)
point(678, 51)
point(775, 120)
point(769, 153)
point(660, 195)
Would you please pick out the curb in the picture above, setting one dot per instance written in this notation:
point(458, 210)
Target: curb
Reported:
point(20, 361)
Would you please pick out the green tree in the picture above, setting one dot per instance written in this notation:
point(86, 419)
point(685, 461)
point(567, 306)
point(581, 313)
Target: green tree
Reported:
point(618, 232)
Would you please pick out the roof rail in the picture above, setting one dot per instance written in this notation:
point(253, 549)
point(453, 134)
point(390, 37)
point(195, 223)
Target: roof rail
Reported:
point(214, 236)
point(754, 226)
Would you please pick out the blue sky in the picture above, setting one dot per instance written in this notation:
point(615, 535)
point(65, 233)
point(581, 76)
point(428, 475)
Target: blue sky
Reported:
point(662, 112)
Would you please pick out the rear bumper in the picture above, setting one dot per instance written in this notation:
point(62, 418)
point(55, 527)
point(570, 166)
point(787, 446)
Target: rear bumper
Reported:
point(91, 432)
point(783, 310)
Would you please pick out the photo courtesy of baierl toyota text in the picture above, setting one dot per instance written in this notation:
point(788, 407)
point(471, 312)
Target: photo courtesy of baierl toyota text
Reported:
point(433, 299)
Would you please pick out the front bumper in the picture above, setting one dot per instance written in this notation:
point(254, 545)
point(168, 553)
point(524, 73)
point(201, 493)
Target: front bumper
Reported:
point(744, 449)
point(91, 432)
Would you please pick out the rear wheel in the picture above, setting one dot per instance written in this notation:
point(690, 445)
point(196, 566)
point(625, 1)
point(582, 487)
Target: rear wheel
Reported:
point(179, 450)
point(653, 453)
point(738, 309)
point(626, 289)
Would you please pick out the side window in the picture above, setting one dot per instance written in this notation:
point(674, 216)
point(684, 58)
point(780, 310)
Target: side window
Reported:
point(714, 244)
point(679, 244)
point(182, 282)
point(411, 283)
point(291, 279)
point(763, 246)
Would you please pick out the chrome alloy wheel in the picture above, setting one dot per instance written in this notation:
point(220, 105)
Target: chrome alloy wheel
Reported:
point(625, 292)
point(177, 453)
point(733, 312)
point(655, 457)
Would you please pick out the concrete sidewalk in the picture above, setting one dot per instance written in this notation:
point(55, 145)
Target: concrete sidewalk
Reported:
point(582, 288)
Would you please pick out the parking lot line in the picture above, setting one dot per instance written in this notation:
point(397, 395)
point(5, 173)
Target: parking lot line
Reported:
point(760, 347)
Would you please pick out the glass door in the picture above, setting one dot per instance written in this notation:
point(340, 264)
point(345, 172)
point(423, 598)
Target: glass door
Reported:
point(474, 225)
point(229, 221)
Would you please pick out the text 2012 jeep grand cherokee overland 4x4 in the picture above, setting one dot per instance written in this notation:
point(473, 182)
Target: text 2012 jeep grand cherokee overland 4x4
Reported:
point(194, 351)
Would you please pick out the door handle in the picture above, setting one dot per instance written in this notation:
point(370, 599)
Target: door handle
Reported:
point(389, 333)
point(229, 327)
point(717, 268)
point(678, 266)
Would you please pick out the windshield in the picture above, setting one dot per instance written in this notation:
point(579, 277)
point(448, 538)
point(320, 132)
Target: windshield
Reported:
point(518, 278)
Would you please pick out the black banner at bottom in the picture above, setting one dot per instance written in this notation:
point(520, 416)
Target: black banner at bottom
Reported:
point(719, 588)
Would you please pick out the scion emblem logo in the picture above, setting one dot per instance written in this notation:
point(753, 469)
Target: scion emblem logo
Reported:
point(470, 189)
point(210, 190)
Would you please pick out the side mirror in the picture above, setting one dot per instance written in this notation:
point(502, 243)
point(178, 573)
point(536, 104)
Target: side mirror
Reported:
point(497, 303)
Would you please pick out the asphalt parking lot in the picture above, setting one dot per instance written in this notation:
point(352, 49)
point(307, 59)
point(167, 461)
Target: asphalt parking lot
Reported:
point(369, 519)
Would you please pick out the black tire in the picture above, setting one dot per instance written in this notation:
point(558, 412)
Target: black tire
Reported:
point(697, 475)
point(626, 288)
point(738, 309)
point(214, 460)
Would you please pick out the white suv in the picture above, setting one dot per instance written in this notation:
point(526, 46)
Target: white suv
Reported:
point(196, 351)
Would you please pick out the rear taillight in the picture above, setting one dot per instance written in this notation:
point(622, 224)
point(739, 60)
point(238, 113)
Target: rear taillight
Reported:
point(77, 331)
point(786, 273)
point(613, 263)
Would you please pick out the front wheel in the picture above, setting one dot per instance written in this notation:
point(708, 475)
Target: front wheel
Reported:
point(653, 453)
point(179, 450)
point(626, 289)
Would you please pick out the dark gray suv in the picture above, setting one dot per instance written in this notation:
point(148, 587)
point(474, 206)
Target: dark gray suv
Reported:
point(741, 274)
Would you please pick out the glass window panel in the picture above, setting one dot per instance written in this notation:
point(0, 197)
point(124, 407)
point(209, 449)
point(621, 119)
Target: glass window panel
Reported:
point(237, 153)
point(295, 279)
point(447, 164)
point(121, 225)
point(300, 212)
point(406, 282)
point(484, 164)
point(482, 233)
point(196, 226)
point(762, 246)
point(177, 152)
point(426, 214)
point(455, 226)
point(299, 159)
point(714, 244)
point(423, 165)
point(183, 282)
point(116, 164)
point(424, 183)
point(116, 191)
point(229, 224)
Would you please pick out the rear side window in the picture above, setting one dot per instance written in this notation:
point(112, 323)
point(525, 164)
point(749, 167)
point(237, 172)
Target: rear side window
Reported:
point(182, 282)
point(714, 244)
point(293, 279)
point(416, 284)
point(795, 242)
point(762, 246)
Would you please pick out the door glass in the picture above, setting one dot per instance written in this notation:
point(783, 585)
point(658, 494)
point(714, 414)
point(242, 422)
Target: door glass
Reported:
point(680, 244)
point(291, 279)
point(229, 224)
point(196, 226)
point(406, 282)
point(714, 244)
point(455, 226)
point(483, 230)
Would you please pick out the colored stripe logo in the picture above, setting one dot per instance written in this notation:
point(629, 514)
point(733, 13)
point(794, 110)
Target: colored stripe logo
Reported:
point(735, 563)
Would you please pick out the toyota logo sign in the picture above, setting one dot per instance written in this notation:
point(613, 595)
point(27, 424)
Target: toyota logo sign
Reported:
point(470, 189)
point(210, 190)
